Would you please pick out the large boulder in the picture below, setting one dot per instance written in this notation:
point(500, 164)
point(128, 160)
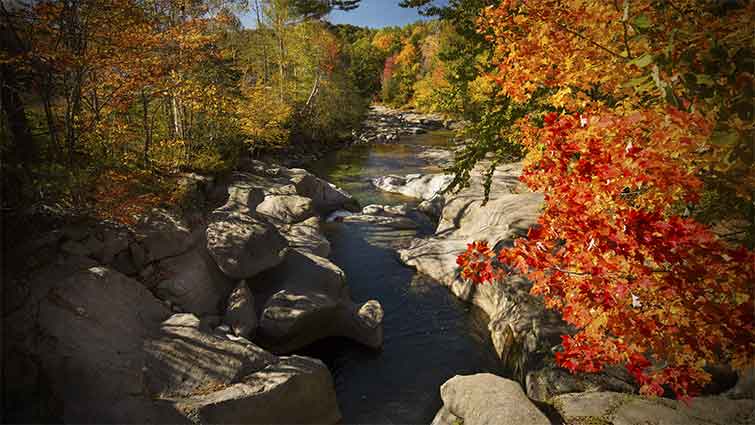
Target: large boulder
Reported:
point(306, 299)
point(325, 196)
point(286, 208)
point(162, 234)
point(186, 357)
point(243, 244)
point(294, 390)
point(307, 236)
point(193, 282)
point(414, 185)
point(611, 408)
point(213, 378)
point(486, 399)
point(244, 194)
point(93, 324)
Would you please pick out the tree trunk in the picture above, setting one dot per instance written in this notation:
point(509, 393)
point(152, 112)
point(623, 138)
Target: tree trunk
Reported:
point(281, 65)
point(178, 127)
point(73, 113)
point(312, 94)
point(51, 125)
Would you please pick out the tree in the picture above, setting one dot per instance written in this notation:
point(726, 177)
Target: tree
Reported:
point(318, 8)
point(645, 115)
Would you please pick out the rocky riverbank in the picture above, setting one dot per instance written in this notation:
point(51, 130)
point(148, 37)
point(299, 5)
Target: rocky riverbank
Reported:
point(525, 333)
point(171, 322)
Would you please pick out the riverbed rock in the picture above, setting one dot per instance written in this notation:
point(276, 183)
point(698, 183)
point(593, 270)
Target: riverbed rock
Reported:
point(286, 209)
point(325, 196)
point(294, 390)
point(93, 324)
point(414, 185)
point(433, 207)
point(386, 210)
point(487, 399)
point(551, 381)
point(186, 358)
point(240, 314)
point(243, 193)
point(745, 385)
point(193, 282)
point(393, 222)
point(306, 299)
point(242, 244)
point(162, 234)
point(306, 236)
point(522, 330)
point(444, 417)
point(612, 408)
point(210, 378)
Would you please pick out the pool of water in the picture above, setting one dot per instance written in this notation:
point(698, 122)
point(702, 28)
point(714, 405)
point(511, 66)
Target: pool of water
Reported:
point(353, 168)
point(430, 336)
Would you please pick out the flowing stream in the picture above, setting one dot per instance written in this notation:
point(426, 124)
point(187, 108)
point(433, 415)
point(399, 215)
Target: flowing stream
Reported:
point(430, 336)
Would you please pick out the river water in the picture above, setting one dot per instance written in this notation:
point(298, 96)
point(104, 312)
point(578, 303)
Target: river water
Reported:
point(430, 336)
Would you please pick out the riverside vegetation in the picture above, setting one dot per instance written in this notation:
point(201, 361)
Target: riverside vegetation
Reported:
point(596, 204)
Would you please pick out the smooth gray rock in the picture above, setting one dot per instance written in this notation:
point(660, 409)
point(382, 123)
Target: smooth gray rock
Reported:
point(242, 244)
point(193, 282)
point(162, 234)
point(307, 236)
point(244, 194)
point(486, 399)
point(240, 313)
point(186, 358)
point(444, 417)
point(94, 323)
point(414, 185)
point(386, 210)
point(383, 221)
point(306, 299)
point(295, 390)
point(625, 409)
point(325, 196)
point(433, 207)
point(286, 209)
point(520, 324)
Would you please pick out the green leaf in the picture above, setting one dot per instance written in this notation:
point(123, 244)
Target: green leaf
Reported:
point(641, 22)
point(642, 61)
point(723, 138)
point(705, 80)
point(634, 82)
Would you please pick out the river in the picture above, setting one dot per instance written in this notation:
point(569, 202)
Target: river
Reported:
point(430, 336)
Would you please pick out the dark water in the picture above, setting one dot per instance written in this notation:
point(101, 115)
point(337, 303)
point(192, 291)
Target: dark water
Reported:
point(430, 336)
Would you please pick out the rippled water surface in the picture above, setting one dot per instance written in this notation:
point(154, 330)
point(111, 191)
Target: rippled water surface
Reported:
point(430, 336)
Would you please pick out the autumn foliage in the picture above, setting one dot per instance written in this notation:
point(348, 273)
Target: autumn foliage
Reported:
point(647, 111)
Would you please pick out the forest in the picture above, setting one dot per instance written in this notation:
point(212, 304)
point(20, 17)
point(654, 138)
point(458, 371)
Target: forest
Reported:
point(633, 118)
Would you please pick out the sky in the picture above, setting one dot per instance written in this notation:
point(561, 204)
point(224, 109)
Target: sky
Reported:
point(370, 13)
